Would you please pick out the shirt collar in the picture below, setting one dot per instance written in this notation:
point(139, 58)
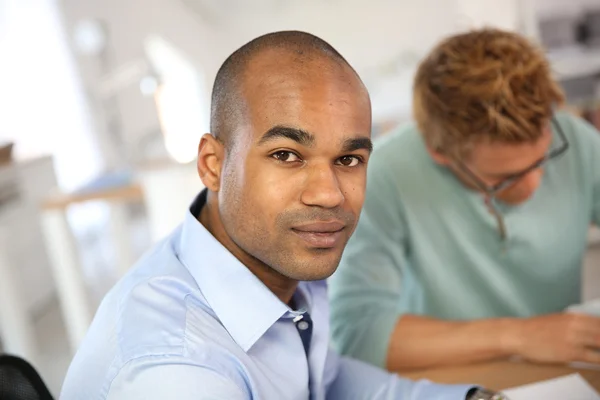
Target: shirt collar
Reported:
point(243, 304)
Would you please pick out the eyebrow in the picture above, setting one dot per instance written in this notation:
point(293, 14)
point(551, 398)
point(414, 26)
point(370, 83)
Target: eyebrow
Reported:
point(297, 135)
point(361, 143)
point(307, 139)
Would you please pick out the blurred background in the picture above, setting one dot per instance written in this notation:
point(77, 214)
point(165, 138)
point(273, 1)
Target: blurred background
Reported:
point(103, 102)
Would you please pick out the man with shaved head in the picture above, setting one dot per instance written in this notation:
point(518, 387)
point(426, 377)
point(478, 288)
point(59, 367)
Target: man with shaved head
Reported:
point(233, 304)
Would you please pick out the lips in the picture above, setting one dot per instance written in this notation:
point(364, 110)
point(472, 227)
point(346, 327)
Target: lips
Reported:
point(321, 235)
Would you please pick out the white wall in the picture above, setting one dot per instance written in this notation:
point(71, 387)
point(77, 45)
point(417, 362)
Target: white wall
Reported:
point(128, 23)
point(369, 34)
point(562, 7)
point(499, 13)
point(372, 35)
point(43, 106)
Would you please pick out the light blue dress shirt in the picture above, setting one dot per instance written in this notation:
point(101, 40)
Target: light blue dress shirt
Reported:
point(190, 322)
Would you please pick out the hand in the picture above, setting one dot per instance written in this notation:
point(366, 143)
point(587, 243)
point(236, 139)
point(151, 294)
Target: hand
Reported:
point(558, 338)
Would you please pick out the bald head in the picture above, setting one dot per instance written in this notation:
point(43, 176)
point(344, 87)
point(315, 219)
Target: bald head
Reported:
point(297, 55)
point(291, 127)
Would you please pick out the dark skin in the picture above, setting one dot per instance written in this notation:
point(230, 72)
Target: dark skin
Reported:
point(286, 189)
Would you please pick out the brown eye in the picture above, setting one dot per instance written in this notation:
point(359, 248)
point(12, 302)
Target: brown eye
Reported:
point(348, 161)
point(285, 156)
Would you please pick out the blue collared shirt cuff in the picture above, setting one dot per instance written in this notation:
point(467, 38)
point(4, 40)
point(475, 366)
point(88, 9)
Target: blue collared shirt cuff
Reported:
point(444, 392)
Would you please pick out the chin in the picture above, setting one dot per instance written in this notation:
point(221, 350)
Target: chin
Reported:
point(314, 269)
point(318, 275)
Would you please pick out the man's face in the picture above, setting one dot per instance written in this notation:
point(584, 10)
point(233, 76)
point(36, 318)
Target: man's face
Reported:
point(294, 176)
point(493, 163)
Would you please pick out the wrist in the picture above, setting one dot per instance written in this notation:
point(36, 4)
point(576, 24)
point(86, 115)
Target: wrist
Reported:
point(485, 394)
point(512, 336)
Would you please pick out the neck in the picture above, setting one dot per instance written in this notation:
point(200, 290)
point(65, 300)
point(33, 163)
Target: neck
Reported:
point(282, 286)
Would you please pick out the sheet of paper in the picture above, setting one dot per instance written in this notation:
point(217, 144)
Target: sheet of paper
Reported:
point(590, 307)
point(571, 387)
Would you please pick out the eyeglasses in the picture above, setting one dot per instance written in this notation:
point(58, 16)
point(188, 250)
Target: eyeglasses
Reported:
point(492, 191)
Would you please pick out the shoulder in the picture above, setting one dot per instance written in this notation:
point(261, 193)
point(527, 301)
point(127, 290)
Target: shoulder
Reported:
point(166, 328)
point(148, 311)
point(144, 317)
point(400, 168)
point(584, 145)
point(399, 153)
point(155, 319)
point(405, 139)
point(160, 377)
point(156, 306)
point(576, 129)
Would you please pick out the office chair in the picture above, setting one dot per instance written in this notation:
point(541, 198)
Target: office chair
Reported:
point(20, 381)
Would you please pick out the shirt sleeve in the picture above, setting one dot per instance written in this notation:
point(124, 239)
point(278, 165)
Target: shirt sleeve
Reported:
point(366, 288)
point(173, 377)
point(584, 139)
point(356, 380)
point(595, 176)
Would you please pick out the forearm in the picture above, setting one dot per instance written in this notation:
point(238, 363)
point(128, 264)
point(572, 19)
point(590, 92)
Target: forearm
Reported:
point(421, 342)
point(359, 381)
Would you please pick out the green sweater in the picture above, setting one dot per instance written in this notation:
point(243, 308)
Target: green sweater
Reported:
point(427, 245)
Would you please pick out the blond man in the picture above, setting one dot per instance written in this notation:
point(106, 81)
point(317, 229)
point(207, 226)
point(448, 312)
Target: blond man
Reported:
point(471, 240)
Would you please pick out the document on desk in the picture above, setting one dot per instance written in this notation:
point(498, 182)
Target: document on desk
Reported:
point(571, 387)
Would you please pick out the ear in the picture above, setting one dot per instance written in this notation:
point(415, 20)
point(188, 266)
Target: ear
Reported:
point(210, 162)
point(438, 157)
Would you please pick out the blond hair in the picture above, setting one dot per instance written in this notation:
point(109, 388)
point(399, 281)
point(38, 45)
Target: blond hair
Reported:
point(486, 84)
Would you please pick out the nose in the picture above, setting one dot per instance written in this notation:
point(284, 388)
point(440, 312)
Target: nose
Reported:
point(322, 188)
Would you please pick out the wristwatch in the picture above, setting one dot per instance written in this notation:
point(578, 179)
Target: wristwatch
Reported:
point(485, 394)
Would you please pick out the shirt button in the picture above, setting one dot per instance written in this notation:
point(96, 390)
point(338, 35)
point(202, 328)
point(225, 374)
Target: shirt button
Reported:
point(303, 325)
